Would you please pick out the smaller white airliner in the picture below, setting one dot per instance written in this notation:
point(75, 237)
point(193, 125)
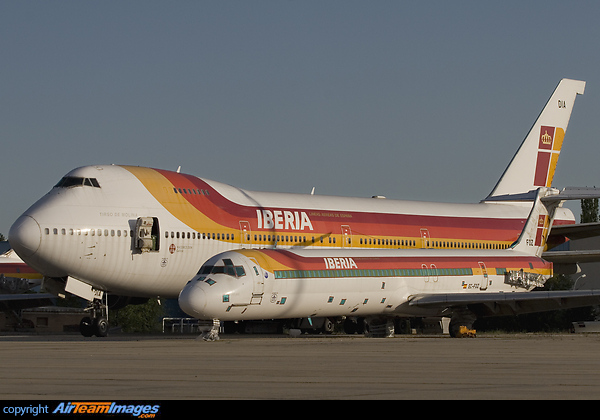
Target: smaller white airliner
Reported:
point(384, 284)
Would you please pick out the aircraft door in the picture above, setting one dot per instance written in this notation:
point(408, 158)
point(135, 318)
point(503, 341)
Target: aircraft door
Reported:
point(433, 272)
point(346, 236)
point(258, 282)
point(245, 232)
point(146, 234)
point(425, 272)
point(430, 273)
point(484, 276)
point(425, 238)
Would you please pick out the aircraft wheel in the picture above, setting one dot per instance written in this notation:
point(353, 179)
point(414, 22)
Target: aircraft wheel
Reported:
point(101, 327)
point(86, 327)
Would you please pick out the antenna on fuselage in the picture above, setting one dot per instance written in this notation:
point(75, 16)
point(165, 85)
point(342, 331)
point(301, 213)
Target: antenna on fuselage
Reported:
point(179, 169)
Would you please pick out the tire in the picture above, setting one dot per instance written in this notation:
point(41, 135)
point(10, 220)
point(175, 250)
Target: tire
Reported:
point(86, 327)
point(101, 327)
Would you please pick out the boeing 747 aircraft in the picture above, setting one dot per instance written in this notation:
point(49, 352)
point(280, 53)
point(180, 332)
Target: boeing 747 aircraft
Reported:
point(143, 232)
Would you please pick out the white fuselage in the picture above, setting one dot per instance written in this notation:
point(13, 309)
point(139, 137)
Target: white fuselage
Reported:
point(276, 284)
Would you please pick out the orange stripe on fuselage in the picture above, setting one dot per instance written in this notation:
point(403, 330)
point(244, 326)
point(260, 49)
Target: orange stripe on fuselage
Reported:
point(195, 210)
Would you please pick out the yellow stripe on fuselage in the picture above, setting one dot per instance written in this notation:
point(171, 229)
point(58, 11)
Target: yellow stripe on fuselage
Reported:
point(162, 190)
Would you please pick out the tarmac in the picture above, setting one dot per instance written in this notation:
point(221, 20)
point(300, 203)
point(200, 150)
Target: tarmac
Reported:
point(184, 367)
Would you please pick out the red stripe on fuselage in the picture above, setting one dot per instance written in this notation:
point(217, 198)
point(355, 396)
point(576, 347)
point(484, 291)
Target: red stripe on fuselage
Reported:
point(228, 214)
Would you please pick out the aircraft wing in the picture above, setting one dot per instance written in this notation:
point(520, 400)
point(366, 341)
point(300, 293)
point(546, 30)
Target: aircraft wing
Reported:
point(572, 257)
point(580, 230)
point(516, 303)
point(577, 231)
point(15, 302)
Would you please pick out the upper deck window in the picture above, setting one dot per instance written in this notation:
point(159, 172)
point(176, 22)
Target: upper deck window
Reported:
point(76, 181)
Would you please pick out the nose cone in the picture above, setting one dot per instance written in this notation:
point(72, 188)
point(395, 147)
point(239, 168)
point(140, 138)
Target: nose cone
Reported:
point(192, 300)
point(25, 236)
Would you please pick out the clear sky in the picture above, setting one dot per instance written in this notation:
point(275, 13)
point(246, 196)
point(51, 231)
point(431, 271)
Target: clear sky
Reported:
point(420, 100)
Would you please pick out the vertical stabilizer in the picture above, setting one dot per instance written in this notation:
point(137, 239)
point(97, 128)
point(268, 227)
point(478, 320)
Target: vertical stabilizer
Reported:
point(534, 163)
point(535, 233)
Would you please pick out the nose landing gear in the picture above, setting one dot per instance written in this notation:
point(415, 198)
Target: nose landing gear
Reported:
point(97, 323)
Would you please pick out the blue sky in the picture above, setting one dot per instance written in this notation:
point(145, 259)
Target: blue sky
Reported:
point(420, 100)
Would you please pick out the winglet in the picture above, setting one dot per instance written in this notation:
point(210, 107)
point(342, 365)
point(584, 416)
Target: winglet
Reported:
point(534, 163)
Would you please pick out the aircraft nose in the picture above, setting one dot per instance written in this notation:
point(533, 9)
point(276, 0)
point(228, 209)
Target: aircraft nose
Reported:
point(25, 236)
point(192, 300)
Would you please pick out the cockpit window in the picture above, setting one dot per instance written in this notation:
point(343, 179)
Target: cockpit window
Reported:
point(228, 268)
point(76, 181)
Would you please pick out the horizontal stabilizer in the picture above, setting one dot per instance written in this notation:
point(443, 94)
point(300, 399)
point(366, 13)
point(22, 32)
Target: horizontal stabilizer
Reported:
point(574, 193)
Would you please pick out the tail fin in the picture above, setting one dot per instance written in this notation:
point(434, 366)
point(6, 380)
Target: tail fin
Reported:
point(534, 163)
point(537, 227)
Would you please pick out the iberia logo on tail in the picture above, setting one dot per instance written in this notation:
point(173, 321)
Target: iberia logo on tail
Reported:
point(550, 142)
